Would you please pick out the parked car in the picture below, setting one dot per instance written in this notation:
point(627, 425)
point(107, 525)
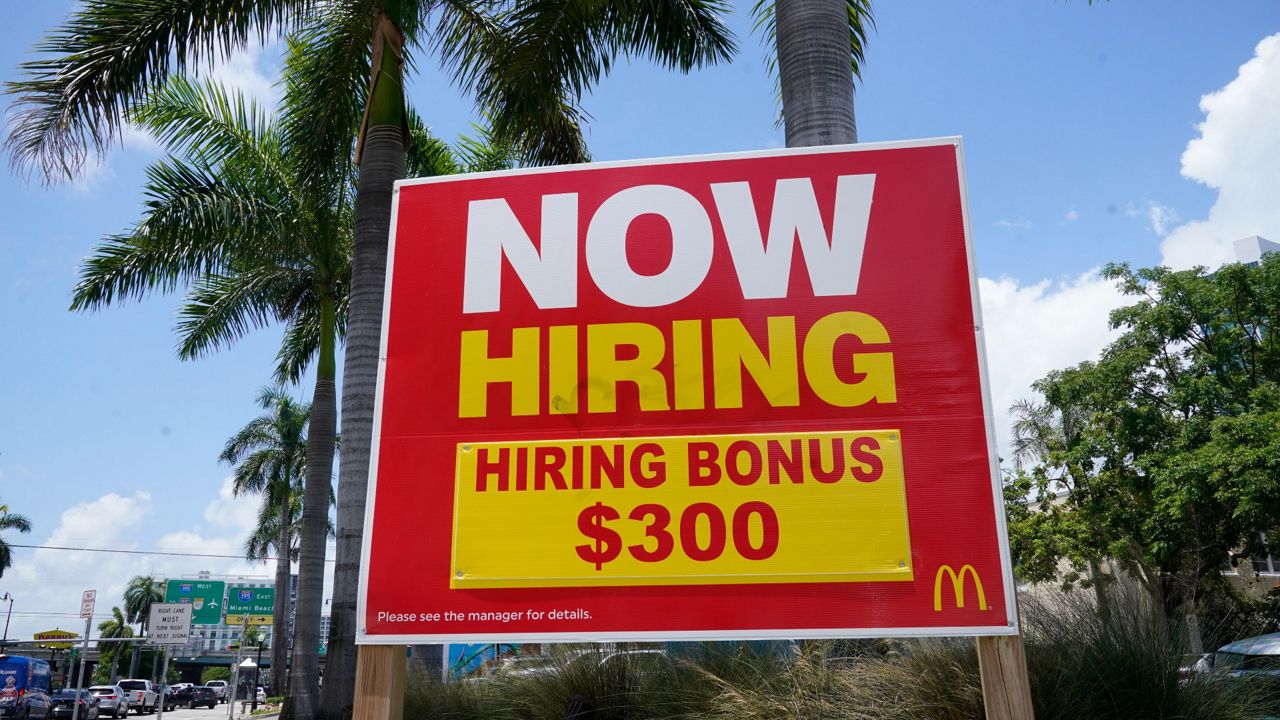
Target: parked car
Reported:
point(1255, 657)
point(142, 694)
point(64, 702)
point(221, 688)
point(164, 694)
point(112, 700)
point(195, 696)
point(24, 687)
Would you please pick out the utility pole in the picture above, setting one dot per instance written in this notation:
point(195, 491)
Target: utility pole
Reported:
point(8, 615)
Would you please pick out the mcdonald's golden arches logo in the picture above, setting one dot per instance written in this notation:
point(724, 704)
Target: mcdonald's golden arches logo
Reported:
point(957, 586)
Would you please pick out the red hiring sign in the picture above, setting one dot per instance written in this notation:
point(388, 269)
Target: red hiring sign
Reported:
point(736, 396)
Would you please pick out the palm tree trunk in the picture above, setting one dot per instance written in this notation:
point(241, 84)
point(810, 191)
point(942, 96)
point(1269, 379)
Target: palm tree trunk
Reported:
point(381, 164)
point(304, 674)
point(280, 614)
point(815, 67)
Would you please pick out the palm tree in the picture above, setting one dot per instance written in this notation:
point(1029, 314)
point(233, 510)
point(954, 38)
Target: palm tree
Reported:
point(270, 455)
point(141, 591)
point(115, 627)
point(528, 63)
point(819, 52)
point(231, 214)
point(10, 521)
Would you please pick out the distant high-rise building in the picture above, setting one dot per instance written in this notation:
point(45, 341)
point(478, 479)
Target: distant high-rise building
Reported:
point(1250, 250)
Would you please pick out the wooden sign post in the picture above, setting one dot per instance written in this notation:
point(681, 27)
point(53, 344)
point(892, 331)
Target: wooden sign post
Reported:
point(1006, 688)
point(380, 676)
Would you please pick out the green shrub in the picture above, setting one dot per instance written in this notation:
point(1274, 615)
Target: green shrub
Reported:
point(1123, 665)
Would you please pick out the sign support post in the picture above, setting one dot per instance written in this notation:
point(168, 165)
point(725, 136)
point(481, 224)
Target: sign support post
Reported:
point(1006, 688)
point(87, 601)
point(164, 684)
point(380, 680)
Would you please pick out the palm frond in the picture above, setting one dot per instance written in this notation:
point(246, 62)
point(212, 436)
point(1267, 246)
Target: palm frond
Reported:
point(428, 155)
point(257, 433)
point(256, 471)
point(484, 151)
point(326, 77)
point(201, 119)
point(530, 66)
point(14, 521)
point(221, 309)
point(193, 216)
point(106, 57)
point(299, 346)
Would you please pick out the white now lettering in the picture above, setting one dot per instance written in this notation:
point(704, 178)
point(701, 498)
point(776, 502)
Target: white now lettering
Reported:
point(834, 262)
point(761, 259)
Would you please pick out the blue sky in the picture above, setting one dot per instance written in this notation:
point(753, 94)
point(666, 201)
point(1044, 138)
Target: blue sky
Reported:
point(1088, 137)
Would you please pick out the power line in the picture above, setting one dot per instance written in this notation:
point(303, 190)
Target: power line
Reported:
point(147, 552)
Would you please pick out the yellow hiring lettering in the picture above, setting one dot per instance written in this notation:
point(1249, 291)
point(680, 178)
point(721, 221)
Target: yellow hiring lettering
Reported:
point(562, 370)
point(733, 351)
point(605, 371)
point(957, 586)
point(637, 353)
point(478, 371)
point(819, 366)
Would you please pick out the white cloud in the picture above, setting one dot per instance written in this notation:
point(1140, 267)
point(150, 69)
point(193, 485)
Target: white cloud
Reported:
point(1072, 214)
point(1236, 153)
point(1019, 224)
point(1031, 329)
point(1161, 218)
point(49, 581)
point(252, 71)
point(229, 511)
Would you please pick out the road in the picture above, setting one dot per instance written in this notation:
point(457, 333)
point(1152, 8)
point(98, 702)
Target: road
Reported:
point(200, 713)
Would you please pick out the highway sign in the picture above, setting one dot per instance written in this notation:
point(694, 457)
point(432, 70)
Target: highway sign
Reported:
point(254, 603)
point(205, 597)
point(170, 623)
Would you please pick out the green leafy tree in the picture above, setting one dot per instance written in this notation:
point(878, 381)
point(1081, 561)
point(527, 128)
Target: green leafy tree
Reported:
point(111, 653)
point(141, 591)
point(214, 673)
point(1163, 456)
point(270, 458)
point(527, 63)
point(10, 521)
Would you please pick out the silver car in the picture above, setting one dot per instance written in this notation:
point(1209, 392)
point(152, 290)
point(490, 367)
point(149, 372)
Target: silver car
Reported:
point(1255, 657)
point(112, 700)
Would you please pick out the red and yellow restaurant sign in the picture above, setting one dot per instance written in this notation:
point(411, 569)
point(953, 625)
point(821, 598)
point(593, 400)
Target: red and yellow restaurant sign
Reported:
point(60, 639)
point(736, 396)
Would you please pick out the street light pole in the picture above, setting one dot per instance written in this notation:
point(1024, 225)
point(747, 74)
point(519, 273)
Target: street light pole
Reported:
point(256, 670)
point(8, 615)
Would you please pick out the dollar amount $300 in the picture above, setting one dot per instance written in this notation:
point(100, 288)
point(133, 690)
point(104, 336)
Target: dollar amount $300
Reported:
point(722, 529)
